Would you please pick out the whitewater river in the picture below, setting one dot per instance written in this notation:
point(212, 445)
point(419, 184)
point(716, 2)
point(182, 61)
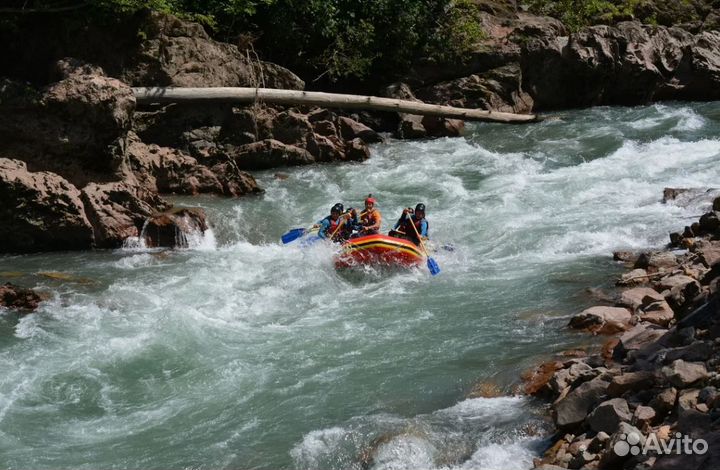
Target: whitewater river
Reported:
point(243, 353)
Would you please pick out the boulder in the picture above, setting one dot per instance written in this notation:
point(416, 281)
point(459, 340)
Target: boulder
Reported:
point(537, 379)
point(630, 382)
point(351, 129)
point(643, 416)
point(578, 372)
point(709, 222)
point(573, 409)
point(681, 374)
point(43, 211)
point(118, 210)
point(656, 260)
point(638, 297)
point(174, 228)
point(620, 445)
point(267, 154)
point(412, 126)
point(608, 415)
point(499, 89)
point(168, 170)
point(19, 298)
point(634, 277)
point(678, 280)
point(599, 318)
point(664, 401)
point(69, 127)
point(658, 312)
point(638, 338)
point(695, 351)
point(179, 53)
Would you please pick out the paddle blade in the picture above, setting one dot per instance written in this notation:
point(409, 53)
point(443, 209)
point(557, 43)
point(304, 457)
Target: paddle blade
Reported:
point(293, 235)
point(433, 267)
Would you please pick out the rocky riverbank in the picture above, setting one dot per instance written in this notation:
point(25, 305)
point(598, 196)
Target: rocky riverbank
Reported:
point(656, 380)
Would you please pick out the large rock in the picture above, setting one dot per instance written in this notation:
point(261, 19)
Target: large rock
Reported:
point(572, 410)
point(639, 297)
point(658, 312)
point(268, 153)
point(171, 171)
point(682, 374)
point(41, 211)
point(118, 210)
point(412, 126)
point(499, 89)
point(608, 415)
point(641, 337)
point(69, 127)
point(174, 228)
point(602, 319)
point(630, 382)
point(180, 53)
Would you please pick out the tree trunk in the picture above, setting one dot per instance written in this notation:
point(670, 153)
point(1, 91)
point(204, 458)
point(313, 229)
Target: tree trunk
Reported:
point(326, 100)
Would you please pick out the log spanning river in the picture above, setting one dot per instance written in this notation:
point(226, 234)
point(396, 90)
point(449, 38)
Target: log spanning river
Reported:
point(243, 353)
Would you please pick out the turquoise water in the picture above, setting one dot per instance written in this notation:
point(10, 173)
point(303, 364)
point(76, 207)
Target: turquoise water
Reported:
point(242, 353)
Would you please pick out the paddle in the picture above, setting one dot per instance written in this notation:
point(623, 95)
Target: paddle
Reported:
point(431, 263)
point(293, 235)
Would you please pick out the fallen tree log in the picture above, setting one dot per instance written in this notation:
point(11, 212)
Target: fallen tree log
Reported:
point(327, 100)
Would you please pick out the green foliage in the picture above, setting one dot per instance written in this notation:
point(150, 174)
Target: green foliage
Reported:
point(457, 33)
point(578, 13)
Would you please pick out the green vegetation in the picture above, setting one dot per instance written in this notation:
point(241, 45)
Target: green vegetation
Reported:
point(332, 39)
point(578, 13)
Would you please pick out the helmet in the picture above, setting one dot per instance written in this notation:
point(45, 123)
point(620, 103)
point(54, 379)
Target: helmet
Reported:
point(337, 208)
point(370, 199)
point(420, 207)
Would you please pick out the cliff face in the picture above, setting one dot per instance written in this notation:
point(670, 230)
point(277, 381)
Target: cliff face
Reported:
point(533, 63)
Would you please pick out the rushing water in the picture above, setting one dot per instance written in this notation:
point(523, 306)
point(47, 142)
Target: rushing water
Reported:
point(242, 353)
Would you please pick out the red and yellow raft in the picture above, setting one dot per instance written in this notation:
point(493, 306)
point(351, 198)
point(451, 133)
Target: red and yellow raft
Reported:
point(380, 250)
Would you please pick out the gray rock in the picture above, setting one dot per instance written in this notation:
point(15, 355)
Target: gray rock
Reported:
point(638, 337)
point(577, 372)
point(682, 374)
point(608, 415)
point(618, 445)
point(630, 381)
point(573, 409)
point(697, 351)
point(594, 318)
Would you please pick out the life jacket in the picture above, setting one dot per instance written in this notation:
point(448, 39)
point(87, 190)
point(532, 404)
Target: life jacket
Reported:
point(409, 232)
point(333, 225)
point(370, 218)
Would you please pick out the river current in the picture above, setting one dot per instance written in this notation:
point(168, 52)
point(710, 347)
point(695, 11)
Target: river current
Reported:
point(243, 353)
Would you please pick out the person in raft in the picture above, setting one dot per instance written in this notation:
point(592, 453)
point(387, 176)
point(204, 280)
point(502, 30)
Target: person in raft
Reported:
point(416, 217)
point(330, 225)
point(368, 221)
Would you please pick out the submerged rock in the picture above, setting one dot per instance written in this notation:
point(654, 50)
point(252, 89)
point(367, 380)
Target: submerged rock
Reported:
point(20, 298)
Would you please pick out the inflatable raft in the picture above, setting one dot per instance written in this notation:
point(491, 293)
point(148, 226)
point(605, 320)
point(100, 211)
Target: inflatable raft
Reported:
point(380, 250)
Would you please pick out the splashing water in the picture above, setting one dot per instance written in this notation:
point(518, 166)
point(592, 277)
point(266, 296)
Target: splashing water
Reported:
point(241, 352)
